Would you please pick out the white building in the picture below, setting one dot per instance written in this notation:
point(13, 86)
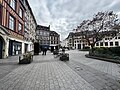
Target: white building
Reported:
point(65, 43)
point(109, 42)
point(76, 41)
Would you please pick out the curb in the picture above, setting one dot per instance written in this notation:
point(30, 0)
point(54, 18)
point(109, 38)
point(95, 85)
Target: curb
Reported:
point(103, 59)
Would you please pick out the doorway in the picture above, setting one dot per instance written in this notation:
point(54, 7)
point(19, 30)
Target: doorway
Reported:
point(1, 48)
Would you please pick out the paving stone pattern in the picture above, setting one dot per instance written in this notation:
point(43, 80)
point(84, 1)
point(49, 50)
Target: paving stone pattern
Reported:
point(49, 73)
point(100, 80)
point(44, 75)
point(103, 66)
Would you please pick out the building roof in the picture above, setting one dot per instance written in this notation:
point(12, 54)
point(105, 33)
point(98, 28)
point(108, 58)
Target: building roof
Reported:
point(54, 33)
point(41, 27)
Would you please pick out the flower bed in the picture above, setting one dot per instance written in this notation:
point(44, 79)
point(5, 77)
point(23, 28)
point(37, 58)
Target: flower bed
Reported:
point(112, 53)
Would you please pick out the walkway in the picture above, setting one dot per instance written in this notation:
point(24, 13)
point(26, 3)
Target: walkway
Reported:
point(45, 73)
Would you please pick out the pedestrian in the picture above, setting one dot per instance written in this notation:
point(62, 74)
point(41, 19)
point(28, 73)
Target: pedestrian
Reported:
point(45, 50)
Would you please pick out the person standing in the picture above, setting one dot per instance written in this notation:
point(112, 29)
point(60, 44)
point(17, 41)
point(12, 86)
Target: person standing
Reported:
point(45, 50)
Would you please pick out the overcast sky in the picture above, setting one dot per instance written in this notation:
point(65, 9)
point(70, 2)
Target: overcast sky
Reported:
point(65, 15)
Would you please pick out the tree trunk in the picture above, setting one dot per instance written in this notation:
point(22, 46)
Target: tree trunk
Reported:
point(92, 47)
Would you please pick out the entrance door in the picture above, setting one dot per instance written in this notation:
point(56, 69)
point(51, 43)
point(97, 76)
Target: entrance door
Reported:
point(10, 47)
point(26, 48)
point(79, 46)
point(1, 46)
point(52, 48)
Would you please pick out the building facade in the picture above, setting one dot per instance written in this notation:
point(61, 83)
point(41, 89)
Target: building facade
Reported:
point(71, 40)
point(65, 43)
point(109, 42)
point(12, 27)
point(43, 36)
point(54, 40)
point(77, 41)
point(30, 27)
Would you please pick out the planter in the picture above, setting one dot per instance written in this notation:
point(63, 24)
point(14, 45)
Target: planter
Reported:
point(56, 52)
point(103, 59)
point(26, 58)
point(64, 57)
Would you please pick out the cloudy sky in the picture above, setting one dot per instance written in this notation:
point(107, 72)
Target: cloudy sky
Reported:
point(65, 15)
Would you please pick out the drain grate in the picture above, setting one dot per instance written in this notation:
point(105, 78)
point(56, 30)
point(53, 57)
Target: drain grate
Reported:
point(78, 68)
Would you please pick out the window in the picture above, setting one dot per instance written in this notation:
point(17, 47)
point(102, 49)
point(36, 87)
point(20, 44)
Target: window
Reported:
point(51, 42)
point(12, 23)
point(13, 4)
point(106, 38)
point(118, 37)
point(41, 33)
point(110, 38)
point(44, 33)
point(37, 37)
point(0, 14)
point(116, 44)
point(111, 43)
point(101, 43)
point(20, 28)
point(21, 13)
point(37, 32)
point(47, 34)
point(97, 44)
point(106, 43)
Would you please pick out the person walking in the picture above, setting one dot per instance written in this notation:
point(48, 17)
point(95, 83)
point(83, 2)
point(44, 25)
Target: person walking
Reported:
point(44, 50)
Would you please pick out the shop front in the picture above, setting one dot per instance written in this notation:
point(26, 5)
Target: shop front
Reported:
point(15, 47)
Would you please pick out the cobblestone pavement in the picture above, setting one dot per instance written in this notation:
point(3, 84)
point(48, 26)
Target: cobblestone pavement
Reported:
point(43, 74)
point(48, 73)
point(103, 66)
point(8, 65)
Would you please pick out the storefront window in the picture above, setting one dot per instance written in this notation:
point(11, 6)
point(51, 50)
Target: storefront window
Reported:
point(16, 48)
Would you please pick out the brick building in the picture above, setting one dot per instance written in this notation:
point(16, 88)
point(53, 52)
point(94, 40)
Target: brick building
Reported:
point(12, 27)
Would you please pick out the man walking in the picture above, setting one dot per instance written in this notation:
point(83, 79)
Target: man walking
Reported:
point(44, 50)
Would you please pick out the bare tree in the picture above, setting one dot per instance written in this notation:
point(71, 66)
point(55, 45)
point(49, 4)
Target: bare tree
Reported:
point(103, 24)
